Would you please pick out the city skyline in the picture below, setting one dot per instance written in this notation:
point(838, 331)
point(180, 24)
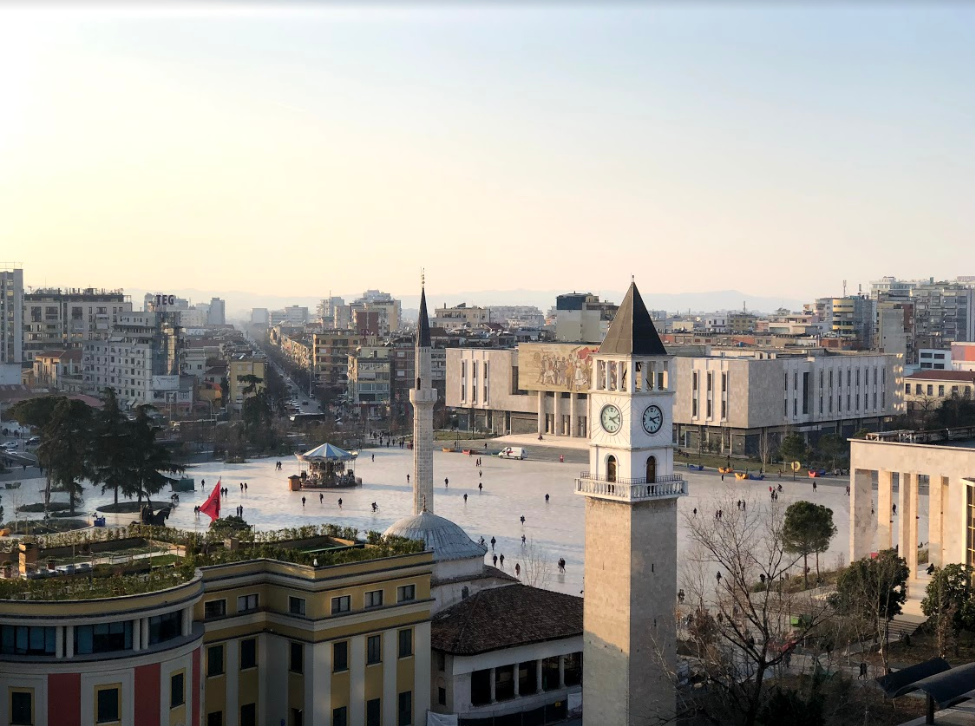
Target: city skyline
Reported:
point(774, 151)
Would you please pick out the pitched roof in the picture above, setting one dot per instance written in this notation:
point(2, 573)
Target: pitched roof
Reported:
point(423, 323)
point(632, 331)
point(505, 617)
point(927, 375)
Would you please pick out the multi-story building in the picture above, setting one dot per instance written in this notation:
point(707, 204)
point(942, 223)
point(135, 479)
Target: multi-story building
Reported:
point(290, 315)
point(60, 370)
point(326, 311)
point(741, 322)
point(729, 400)
point(944, 313)
point(460, 316)
point(217, 314)
point(516, 316)
point(336, 636)
point(330, 356)
point(894, 328)
point(369, 379)
point(238, 370)
point(582, 317)
point(934, 359)
point(260, 317)
point(140, 360)
point(62, 319)
point(11, 317)
point(928, 389)
point(403, 372)
point(390, 310)
point(963, 356)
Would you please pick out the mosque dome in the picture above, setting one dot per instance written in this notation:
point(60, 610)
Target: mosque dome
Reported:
point(447, 540)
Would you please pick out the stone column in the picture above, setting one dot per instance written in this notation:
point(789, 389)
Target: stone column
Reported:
point(186, 621)
point(136, 635)
point(59, 642)
point(493, 699)
point(517, 669)
point(541, 412)
point(557, 413)
point(561, 671)
point(69, 642)
point(538, 676)
point(907, 526)
point(885, 512)
point(861, 523)
point(144, 626)
point(573, 419)
point(936, 518)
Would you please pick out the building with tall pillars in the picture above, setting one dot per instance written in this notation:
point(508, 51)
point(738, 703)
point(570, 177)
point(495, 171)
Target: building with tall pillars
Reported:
point(630, 638)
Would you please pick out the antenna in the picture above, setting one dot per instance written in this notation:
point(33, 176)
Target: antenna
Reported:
point(844, 288)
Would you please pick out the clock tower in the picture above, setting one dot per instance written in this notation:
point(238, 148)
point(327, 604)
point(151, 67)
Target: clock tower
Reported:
point(630, 639)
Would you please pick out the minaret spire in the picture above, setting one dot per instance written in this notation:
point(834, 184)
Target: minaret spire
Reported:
point(423, 397)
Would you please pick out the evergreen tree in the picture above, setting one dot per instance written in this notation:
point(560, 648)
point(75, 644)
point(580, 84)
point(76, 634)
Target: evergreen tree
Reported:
point(64, 450)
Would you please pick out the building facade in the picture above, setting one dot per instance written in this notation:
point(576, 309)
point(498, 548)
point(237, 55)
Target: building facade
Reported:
point(11, 316)
point(582, 317)
point(61, 319)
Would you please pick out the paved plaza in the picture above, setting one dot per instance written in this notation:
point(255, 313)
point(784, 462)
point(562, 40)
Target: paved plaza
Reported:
point(511, 489)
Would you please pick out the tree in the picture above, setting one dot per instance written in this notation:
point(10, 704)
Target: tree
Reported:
point(949, 601)
point(258, 417)
point(150, 458)
point(36, 412)
point(740, 628)
point(793, 448)
point(64, 449)
point(111, 453)
point(252, 382)
point(807, 529)
point(536, 568)
point(767, 446)
point(874, 590)
point(833, 446)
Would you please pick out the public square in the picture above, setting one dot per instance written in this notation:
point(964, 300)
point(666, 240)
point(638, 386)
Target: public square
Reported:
point(511, 489)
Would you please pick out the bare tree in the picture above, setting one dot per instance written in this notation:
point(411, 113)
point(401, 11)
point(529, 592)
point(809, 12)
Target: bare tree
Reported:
point(768, 444)
point(741, 625)
point(536, 570)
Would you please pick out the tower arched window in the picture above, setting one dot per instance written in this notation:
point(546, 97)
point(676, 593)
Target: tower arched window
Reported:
point(611, 468)
point(652, 470)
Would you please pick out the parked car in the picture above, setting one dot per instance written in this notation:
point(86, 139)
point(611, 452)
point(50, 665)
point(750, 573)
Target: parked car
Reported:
point(33, 440)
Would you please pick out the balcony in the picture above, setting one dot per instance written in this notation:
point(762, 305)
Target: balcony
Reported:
point(632, 490)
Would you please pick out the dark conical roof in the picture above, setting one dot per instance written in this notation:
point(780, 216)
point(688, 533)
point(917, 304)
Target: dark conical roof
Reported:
point(423, 323)
point(632, 331)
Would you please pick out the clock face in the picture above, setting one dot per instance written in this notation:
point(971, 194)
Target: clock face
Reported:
point(653, 419)
point(611, 419)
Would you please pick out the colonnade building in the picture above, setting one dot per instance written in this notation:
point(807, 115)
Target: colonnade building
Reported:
point(945, 473)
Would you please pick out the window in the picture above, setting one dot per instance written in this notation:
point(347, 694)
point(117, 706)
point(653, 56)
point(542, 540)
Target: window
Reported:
point(374, 598)
point(248, 653)
point(941, 391)
point(26, 640)
point(246, 603)
point(177, 696)
point(405, 643)
point(296, 605)
point(340, 656)
point(21, 708)
point(405, 711)
point(165, 627)
point(214, 609)
point(248, 714)
point(341, 604)
point(405, 593)
point(930, 389)
point(340, 716)
point(442, 696)
point(215, 661)
point(297, 659)
point(102, 638)
point(374, 716)
point(374, 649)
point(106, 705)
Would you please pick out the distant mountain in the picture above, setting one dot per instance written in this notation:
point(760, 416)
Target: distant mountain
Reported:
point(239, 303)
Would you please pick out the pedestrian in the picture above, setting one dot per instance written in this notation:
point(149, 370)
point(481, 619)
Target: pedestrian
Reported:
point(495, 558)
point(480, 487)
point(561, 459)
point(321, 498)
point(863, 671)
point(302, 501)
point(743, 505)
point(502, 562)
point(340, 502)
point(373, 457)
point(522, 520)
point(493, 542)
point(517, 570)
point(465, 498)
point(780, 487)
point(562, 565)
point(446, 482)
point(407, 478)
point(546, 498)
point(375, 507)
point(522, 540)
point(242, 487)
point(245, 486)
point(814, 485)
point(695, 511)
point(722, 476)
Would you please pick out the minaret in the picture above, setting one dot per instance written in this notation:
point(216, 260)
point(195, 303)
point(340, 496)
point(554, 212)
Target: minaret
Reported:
point(630, 634)
point(423, 397)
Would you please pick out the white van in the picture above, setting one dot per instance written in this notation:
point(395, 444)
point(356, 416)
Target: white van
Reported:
point(513, 452)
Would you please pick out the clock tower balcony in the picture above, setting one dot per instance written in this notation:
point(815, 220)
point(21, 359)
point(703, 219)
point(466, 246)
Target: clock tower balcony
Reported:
point(670, 486)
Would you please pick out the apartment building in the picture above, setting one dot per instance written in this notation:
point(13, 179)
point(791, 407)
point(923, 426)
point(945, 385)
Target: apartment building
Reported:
point(330, 356)
point(460, 316)
point(11, 317)
point(238, 369)
point(582, 317)
point(927, 389)
point(66, 318)
point(369, 379)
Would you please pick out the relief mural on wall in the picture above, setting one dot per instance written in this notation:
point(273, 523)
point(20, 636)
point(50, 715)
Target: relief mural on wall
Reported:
point(555, 367)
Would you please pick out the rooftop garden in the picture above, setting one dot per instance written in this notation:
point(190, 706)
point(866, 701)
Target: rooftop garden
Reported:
point(177, 555)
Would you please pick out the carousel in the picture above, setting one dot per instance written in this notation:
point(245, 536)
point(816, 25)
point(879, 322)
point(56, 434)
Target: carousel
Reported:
point(325, 466)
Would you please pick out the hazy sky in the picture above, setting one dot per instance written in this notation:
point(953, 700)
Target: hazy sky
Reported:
point(702, 146)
